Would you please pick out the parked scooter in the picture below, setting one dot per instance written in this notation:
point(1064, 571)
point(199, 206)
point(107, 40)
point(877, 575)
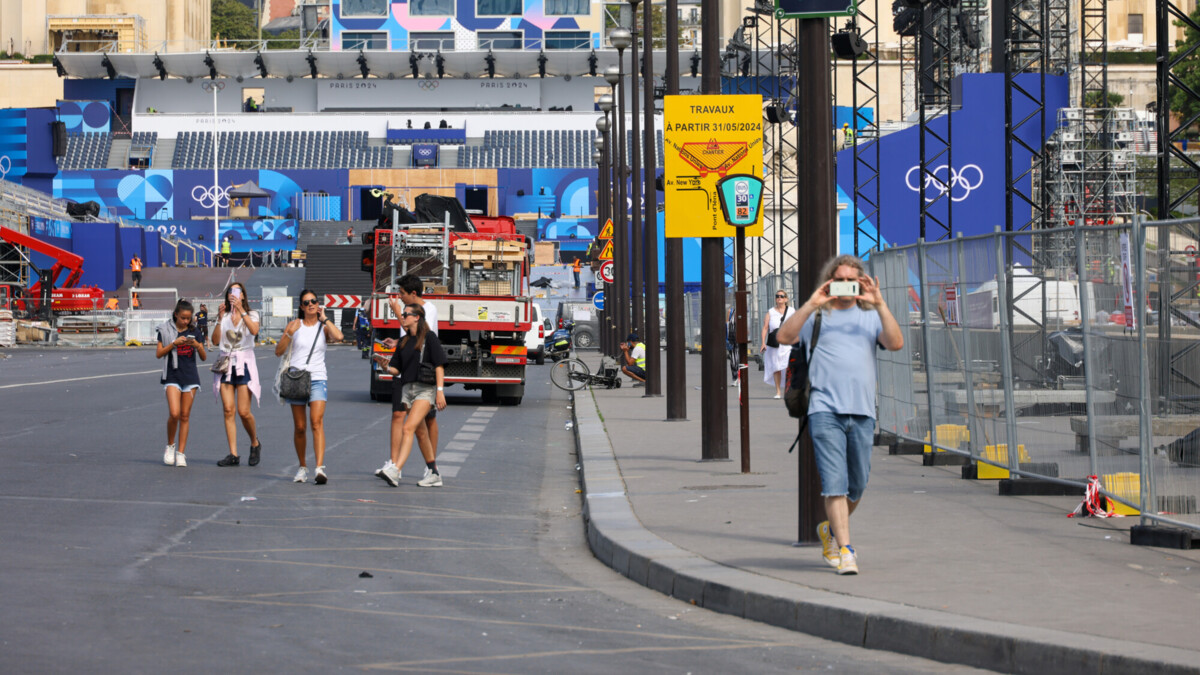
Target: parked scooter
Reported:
point(558, 343)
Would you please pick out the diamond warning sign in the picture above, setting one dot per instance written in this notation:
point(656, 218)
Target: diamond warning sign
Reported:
point(706, 138)
point(607, 231)
point(607, 253)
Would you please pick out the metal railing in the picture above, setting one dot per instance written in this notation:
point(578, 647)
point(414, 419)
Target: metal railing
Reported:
point(1023, 359)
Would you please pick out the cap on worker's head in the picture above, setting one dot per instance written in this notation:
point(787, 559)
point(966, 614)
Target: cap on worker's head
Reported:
point(633, 337)
point(845, 124)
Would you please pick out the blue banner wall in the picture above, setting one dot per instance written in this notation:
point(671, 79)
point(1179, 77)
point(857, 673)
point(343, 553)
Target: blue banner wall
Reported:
point(976, 180)
point(132, 241)
point(12, 144)
point(39, 142)
point(100, 247)
point(85, 117)
point(151, 244)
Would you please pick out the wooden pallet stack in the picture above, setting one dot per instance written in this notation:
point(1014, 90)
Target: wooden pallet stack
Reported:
point(8, 332)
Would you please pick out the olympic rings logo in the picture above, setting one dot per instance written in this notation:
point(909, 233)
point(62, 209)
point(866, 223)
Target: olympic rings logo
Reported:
point(428, 85)
point(5, 166)
point(958, 183)
point(209, 197)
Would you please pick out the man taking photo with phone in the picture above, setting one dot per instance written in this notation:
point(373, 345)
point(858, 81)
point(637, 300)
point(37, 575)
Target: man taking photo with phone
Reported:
point(855, 321)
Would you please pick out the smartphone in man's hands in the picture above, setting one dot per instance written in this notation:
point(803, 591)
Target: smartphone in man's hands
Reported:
point(843, 289)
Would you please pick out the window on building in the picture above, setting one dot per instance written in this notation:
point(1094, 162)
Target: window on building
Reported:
point(1135, 23)
point(431, 42)
point(500, 39)
point(364, 7)
point(372, 40)
point(566, 7)
point(431, 7)
point(498, 7)
point(568, 39)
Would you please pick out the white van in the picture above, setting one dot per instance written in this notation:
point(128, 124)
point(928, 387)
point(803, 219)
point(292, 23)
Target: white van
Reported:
point(982, 307)
point(535, 338)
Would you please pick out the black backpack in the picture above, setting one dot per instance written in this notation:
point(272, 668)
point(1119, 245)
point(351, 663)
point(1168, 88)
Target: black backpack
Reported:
point(799, 388)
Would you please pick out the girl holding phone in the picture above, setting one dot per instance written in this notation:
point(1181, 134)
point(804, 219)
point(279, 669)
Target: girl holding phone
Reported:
point(412, 398)
point(235, 377)
point(180, 342)
point(307, 337)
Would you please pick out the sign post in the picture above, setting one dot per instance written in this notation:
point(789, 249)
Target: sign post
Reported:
point(712, 149)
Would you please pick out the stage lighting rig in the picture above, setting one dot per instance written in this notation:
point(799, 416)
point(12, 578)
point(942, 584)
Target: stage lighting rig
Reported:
point(212, 66)
point(362, 64)
point(312, 65)
point(262, 65)
point(490, 60)
point(593, 63)
point(541, 61)
point(160, 67)
point(413, 61)
point(108, 66)
point(440, 63)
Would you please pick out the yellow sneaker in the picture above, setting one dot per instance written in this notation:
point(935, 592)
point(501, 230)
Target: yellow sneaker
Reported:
point(849, 561)
point(829, 547)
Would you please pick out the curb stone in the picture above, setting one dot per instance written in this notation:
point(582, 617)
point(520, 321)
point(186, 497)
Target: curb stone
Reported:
point(618, 539)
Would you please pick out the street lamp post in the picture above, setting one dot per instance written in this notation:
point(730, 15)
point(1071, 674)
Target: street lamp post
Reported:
point(650, 224)
point(214, 87)
point(638, 244)
point(621, 39)
point(606, 105)
point(600, 156)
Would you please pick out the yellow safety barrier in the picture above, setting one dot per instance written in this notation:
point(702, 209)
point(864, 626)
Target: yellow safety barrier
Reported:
point(999, 455)
point(950, 435)
point(1127, 486)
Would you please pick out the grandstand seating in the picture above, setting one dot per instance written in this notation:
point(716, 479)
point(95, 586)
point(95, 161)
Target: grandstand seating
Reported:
point(537, 148)
point(281, 150)
point(86, 151)
point(141, 148)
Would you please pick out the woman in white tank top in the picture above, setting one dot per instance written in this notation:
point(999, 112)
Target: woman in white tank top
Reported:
point(304, 341)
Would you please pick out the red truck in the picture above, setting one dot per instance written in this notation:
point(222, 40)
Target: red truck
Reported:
point(65, 298)
point(476, 273)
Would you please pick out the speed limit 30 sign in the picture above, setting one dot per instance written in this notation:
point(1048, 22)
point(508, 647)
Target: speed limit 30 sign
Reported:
point(606, 271)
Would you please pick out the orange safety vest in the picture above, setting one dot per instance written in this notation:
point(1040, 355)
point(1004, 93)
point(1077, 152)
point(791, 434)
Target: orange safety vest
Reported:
point(111, 304)
point(575, 266)
point(135, 264)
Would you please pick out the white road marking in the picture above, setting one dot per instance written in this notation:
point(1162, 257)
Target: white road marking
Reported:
point(489, 409)
point(448, 471)
point(461, 436)
point(473, 428)
point(79, 379)
point(456, 457)
point(455, 445)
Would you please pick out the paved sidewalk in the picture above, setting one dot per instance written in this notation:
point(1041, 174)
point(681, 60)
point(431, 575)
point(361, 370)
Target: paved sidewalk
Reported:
point(949, 570)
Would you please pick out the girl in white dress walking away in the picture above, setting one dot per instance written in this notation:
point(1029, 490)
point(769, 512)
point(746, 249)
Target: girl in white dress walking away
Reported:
point(775, 359)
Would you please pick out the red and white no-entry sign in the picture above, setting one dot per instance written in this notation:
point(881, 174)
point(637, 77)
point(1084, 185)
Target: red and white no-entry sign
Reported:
point(606, 271)
point(342, 301)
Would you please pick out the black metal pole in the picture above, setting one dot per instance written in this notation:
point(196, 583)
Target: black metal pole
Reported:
point(602, 206)
point(621, 231)
point(639, 245)
point(714, 415)
point(742, 337)
point(650, 224)
point(673, 258)
point(817, 212)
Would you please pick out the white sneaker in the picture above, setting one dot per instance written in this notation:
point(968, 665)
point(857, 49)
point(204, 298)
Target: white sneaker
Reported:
point(391, 474)
point(320, 477)
point(379, 471)
point(301, 475)
point(431, 479)
point(849, 561)
point(169, 455)
point(180, 460)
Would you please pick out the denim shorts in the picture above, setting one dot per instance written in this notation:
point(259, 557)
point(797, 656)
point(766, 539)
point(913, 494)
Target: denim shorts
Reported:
point(320, 392)
point(415, 391)
point(842, 444)
point(238, 379)
point(185, 388)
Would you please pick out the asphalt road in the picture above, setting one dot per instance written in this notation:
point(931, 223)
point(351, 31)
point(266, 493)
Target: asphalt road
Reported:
point(112, 562)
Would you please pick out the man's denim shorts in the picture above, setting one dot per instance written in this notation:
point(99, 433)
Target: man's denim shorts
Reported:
point(842, 444)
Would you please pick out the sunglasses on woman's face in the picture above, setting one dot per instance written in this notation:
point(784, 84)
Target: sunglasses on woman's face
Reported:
point(781, 297)
point(403, 314)
point(306, 303)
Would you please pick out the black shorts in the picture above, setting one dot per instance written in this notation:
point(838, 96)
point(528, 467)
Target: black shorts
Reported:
point(137, 277)
point(636, 370)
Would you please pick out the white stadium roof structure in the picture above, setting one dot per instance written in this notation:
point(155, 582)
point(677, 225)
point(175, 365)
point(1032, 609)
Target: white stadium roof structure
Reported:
point(345, 64)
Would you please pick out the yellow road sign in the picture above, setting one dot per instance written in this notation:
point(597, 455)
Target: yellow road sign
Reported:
point(607, 231)
point(706, 138)
point(607, 253)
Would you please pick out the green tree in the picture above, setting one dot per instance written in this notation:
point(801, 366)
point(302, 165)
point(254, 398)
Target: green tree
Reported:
point(231, 20)
point(1188, 71)
point(1092, 100)
point(658, 23)
point(288, 39)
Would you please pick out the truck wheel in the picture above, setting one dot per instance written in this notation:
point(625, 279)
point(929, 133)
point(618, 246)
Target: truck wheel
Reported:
point(510, 400)
point(584, 340)
point(489, 395)
point(541, 357)
point(374, 396)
